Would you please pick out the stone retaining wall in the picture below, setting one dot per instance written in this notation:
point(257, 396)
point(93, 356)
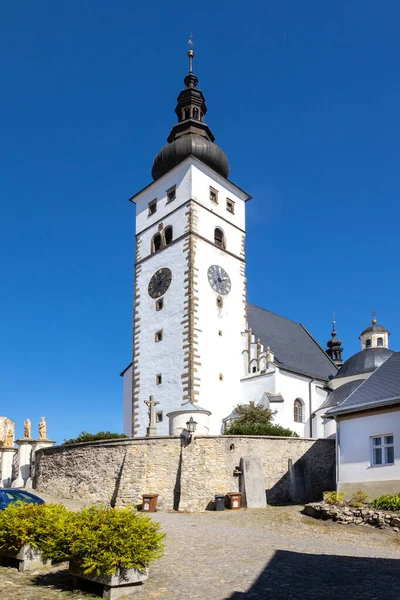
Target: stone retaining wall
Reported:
point(351, 514)
point(120, 471)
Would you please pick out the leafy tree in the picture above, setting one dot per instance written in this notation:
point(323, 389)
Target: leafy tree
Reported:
point(93, 437)
point(255, 419)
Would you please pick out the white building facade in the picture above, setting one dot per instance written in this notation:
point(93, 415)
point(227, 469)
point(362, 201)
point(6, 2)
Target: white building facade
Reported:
point(368, 433)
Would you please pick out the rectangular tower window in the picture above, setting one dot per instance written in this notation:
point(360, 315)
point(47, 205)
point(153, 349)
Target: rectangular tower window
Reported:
point(219, 332)
point(160, 304)
point(220, 302)
point(152, 207)
point(159, 417)
point(230, 206)
point(171, 193)
point(159, 379)
point(213, 195)
point(159, 336)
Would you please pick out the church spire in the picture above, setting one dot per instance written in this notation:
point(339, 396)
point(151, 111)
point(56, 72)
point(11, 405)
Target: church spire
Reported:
point(334, 350)
point(190, 136)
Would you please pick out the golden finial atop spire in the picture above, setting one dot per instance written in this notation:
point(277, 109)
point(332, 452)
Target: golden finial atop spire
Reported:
point(374, 317)
point(190, 53)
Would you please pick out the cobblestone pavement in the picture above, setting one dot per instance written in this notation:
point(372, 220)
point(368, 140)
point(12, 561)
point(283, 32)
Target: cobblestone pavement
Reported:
point(271, 554)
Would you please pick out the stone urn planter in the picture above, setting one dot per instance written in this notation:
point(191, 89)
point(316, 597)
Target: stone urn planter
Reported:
point(122, 583)
point(28, 558)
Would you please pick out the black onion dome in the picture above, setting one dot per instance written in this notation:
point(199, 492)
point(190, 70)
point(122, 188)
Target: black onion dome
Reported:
point(190, 136)
point(334, 342)
point(366, 361)
point(190, 145)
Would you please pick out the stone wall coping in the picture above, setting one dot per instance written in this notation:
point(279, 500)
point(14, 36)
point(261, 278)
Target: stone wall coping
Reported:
point(174, 439)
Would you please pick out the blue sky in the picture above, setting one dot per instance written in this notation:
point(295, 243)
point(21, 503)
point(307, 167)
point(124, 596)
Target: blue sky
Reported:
point(304, 99)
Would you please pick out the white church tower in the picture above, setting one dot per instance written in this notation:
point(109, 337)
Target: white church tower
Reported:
point(190, 283)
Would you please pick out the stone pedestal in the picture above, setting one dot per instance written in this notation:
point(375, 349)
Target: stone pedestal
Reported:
point(36, 445)
point(24, 462)
point(122, 584)
point(7, 457)
point(28, 558)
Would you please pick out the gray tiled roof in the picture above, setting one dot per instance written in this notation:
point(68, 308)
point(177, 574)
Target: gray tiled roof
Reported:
point(294, 348)
point(380, 389)
point(336, 397)
point(365, 361)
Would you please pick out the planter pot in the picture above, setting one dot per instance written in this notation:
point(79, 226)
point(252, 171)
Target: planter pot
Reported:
point(120, 584)
point(28, 558)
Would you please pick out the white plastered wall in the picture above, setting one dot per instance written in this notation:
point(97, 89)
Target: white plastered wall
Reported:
point(354, 447)
point(164, 357)
point(291, 386)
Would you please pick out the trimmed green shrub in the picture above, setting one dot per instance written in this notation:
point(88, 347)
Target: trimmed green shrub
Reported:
point(358, 499)
point(42, 526)
point(333, 497)
point(55, 528)
point(18, 525)
point(387, 502)
point(84, 436)
point(105, 539)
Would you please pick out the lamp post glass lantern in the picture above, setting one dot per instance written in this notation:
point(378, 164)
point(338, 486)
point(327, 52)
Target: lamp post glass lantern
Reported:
point(191, 425)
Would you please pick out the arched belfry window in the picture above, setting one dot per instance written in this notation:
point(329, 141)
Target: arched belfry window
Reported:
point(219, 238)
point(187, 113)
point(298, 411)
point(368, 343)
point(156, 243)
point(196, 113)
point(168, 235)
point(379, 341)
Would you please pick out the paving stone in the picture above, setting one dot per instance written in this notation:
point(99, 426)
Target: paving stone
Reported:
point(275, 553)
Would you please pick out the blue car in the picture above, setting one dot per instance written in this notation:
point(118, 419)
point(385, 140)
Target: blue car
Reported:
point(9, 496)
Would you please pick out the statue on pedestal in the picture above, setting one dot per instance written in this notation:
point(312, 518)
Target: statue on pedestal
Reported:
point(9, 441)
point(151, 429)
point(42, 429)
point(27, 429)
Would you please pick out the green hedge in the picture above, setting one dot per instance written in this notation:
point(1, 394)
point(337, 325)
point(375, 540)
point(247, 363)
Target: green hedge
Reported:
point(84, 436)
point(99, 539)
point(237, 428)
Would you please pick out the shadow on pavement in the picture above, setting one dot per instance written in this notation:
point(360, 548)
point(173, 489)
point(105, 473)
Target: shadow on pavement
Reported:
point(297, 576)
point(61, 580)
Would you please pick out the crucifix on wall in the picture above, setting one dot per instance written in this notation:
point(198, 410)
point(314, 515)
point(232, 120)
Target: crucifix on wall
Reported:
point(151, 429)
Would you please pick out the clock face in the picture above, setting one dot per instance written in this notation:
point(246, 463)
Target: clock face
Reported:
point(219, 280)
point(160, 282)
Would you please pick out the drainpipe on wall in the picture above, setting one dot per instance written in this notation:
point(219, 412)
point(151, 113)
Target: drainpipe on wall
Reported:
point(310, 404)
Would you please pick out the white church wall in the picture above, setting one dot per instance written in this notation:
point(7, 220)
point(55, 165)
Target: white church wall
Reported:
point(127, 398)
point(202, 179)
point(291, 387)
point(329, 428)
point(164, 357)
point(220, 340)
point(177, 219)
point(354, 453)
point(181, 177)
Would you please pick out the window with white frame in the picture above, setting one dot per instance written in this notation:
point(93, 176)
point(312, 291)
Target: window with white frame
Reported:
point(382, 450)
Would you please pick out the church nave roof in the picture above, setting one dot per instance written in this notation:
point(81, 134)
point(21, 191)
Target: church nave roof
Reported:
point(293, 346)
